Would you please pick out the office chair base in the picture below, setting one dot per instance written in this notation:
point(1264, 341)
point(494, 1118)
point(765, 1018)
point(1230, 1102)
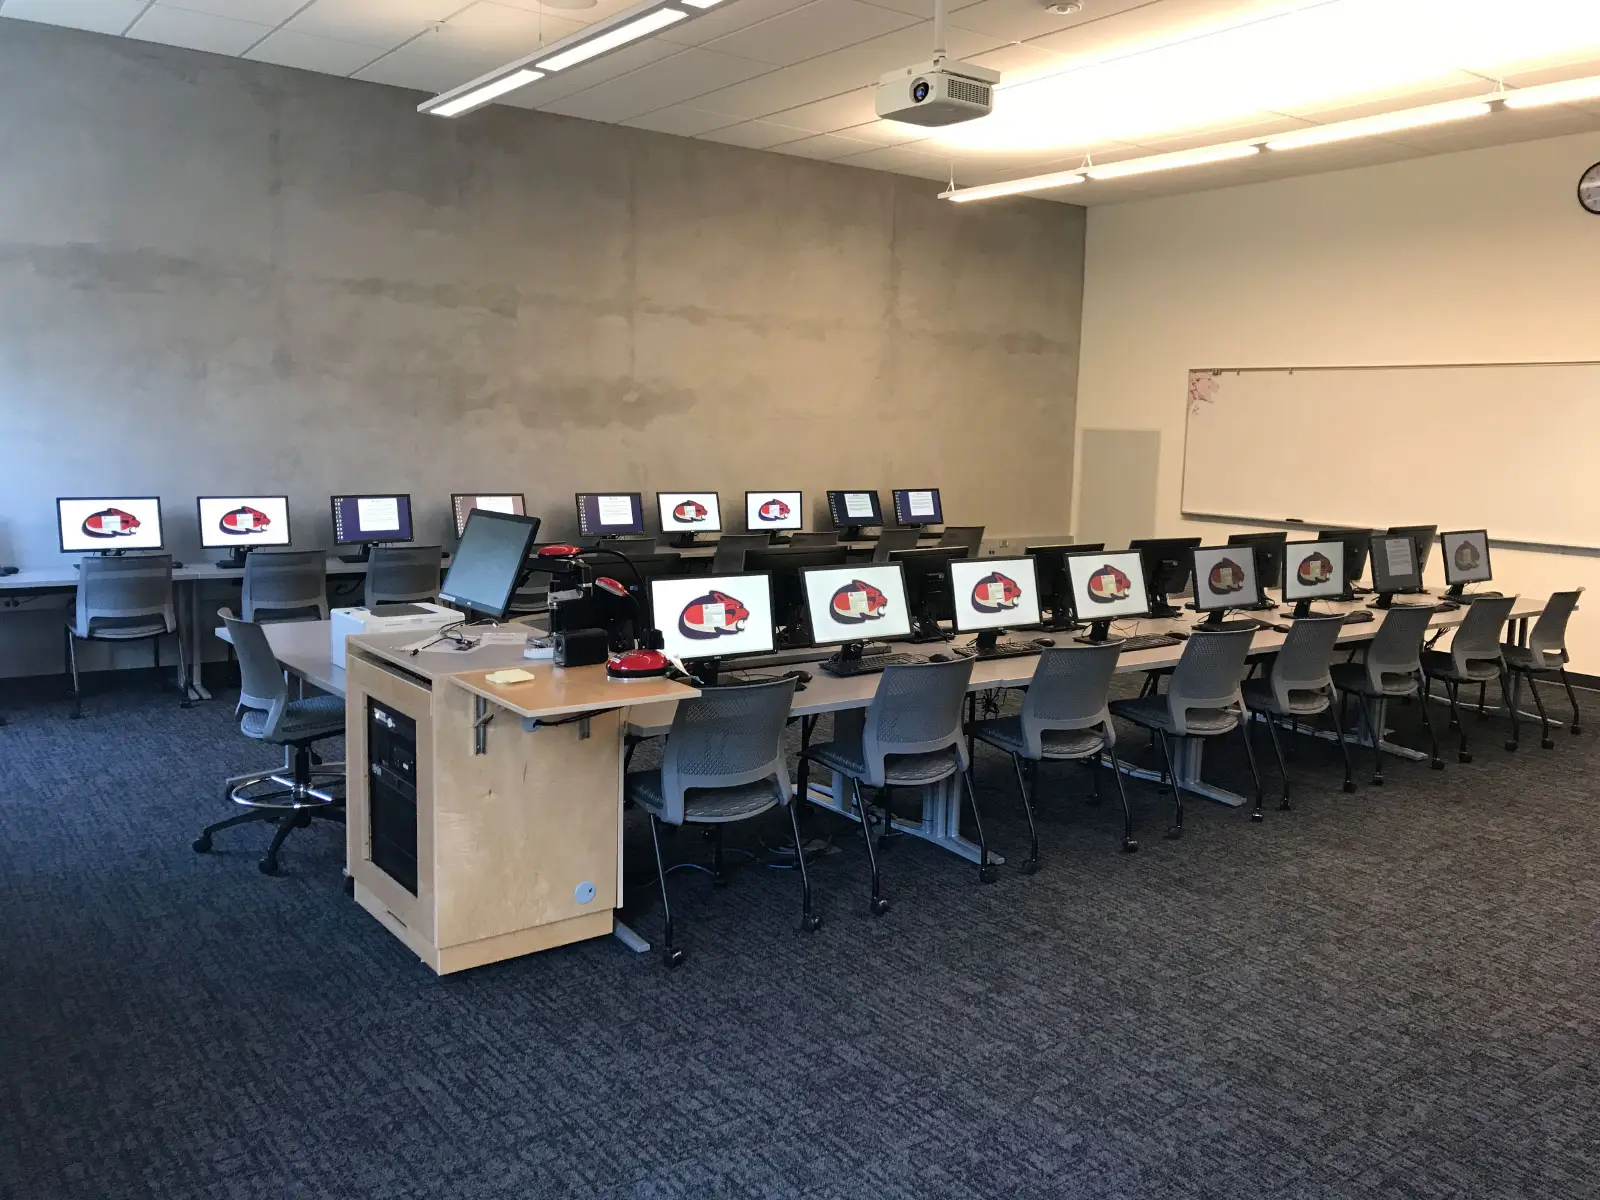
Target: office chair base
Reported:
point(673, 959)
point(878, 905)
point(1129, 846)
point(1257, 817)
point(287, 793)
point(1466, 758)
point(1031, 867)
point(987, 873)
point(1175, 832)
point(810, 923)
point(1548, 744)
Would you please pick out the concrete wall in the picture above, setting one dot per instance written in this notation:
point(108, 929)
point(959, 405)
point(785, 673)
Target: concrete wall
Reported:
point(1476, 257)
point(220, 276)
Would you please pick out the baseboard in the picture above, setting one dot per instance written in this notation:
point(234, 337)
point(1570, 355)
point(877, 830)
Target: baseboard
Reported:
point(1589, 683)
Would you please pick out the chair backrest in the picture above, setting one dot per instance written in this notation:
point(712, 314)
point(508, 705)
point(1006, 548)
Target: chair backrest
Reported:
point(1068, 691)
point(970, 536)
point(262, 685)
point(916, 710)
point(828, 537)
point(119, 590)
point(726, 737)
point(1394, 656)
point(284, 581)
point(1302, 665)
point(403, 574)
point(729, 556)
point(1477, 638)
point(891, 540)
point(1207, 676)
point(1548, 641)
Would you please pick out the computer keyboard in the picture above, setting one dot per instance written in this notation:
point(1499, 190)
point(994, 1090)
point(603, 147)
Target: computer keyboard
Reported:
point(1145, 641)
point(1001, 650)
point(867, 665)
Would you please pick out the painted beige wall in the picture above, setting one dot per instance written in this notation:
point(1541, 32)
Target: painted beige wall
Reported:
point(1482, 256)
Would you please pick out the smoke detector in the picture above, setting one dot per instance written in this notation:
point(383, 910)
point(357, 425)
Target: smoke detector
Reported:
point(1064, 8)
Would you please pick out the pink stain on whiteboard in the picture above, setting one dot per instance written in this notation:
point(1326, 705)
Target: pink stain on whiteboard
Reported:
point(1202, 388)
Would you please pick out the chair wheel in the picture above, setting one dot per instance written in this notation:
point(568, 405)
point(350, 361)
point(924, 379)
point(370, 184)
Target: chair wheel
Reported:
point(1377, 781)
point(1548, 744)
point(878, 905)
point(1511, 747)
point(1129, 846)
point(1437, 764)
point(1285, 806)
point(1575, 730)
point(1349, 785)
point(268, 866)
point(350, 886)
point(1464, 758)
point(202, 844)
point(1175, 832)
point(987, 873)
point(1031, 867)
point(810, 924)
point(674, 959)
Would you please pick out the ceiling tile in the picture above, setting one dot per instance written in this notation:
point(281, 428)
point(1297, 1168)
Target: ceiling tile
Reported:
point(499, 29)
point(756, 135)
point(823, 146)
point(1157, 23)
point(725, 18)
point(262, 12)
point(410, 68)
point(681, 120)
point(1019, 20)
point(818, 28)
point(312, 53)
point(385, 23)
point(903, 161)
point(97, 16)
point(836, 112)
point(196, 30)
point(576, 79)
point(885, 133)
point(922, 8)
point(684, 76)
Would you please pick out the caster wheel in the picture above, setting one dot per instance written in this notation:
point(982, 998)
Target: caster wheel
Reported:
point(1129, 846)
point(1284, 807)
point(987, 873)
point(1031, 867)
point(1548, 744)
point(350, 886)
point(810, 924)
point(1257, 817)
point(1377, 781)
point(674, 959)
point(1511, 747)
point(1349, 785)
point(268, 866)
point(202, 845)
point(1575, 731)
point(878, 906)
point(1464, 758)
point(1437, 764)
point(1175, 832)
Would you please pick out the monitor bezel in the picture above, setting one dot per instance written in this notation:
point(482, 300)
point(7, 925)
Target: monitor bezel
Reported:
point(799, 508)
point(1242, 602)
point(1143, 593)
point(577, 504)
point(288, 525)
point(333, 516)
point(661, 518)
point(706, 581)
point(61, 535)
point(1372, 564)
point(498, 614)
point(867, 634)
point(847, 523)
point(1488, 560)
point(454, 496)
point(912, 522)
point(1339, 585)
point(993, 565)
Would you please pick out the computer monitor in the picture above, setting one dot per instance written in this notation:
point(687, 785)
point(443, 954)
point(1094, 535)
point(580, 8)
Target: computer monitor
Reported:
point(601, 513)
point(1356, 543)
point(364, 520)
point(1269, 558)
point(773, 511)
point(992, 594)
point(688, 513)
point(241, 523)
point(1166, 563)
point(487, 564)
point(1423, 536)
point(785, 565)
point(1055, 591)
point(109, 525)
point(847, 606)
point(927, 578)
point(1225, 577)
point(1107, 586)
point(1394, 566)
point(852, 511)
point(705, 619)
point(1313, 571)
point(505, 502)
point(1466, 559)
point(918, 506)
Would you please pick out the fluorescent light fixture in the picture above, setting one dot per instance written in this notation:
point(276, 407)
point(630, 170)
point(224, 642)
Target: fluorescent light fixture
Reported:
point(1554, 93)
point(1012, 187)
point(1167, 162)
point(611, 39)
point(701, 3)
point(1408, 118)
point(481, 96)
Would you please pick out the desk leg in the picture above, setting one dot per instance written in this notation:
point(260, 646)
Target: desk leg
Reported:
point(626, 935)
point(197, 689)
point(1187, 760)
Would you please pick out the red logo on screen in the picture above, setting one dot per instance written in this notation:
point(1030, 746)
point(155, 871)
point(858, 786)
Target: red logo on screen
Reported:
point(856, 602)
point(110, 523)
point(710, 616)
point(996, 592)
point(243, 521)
point(1108, 585)
point(690, 510)
point(773, 510)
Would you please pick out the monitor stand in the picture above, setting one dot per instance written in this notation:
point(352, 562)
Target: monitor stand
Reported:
point(1261, 605)
point(1302, 610)
point(1456, 592)
point(1099, 631)
point(988, 640)
point(1060, 618)
point(925, 628)
point(235, 560)
point(1384, 600)
point(849, 652)
point(851, 533)
point(365, 555)
point(1160, 606)
point(1213, 619)
point(684, 541)
point(705, 670)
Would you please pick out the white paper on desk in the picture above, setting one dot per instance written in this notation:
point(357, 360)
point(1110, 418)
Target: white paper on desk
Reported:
point(501, 637)
point(857, 504)
point(615, 510)
point(919, 504)
point(378, 512)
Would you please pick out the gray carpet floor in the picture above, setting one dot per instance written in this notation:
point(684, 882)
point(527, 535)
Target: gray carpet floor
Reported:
point(1390, 994)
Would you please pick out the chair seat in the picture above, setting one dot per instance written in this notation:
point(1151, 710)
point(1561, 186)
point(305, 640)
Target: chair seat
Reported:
point(1152, 712)
point(1520, 658)
point(1006, 733)
point(706, 806)
point(900, 770)
point(1440, 664)
point(117, 629)
point(316, 717)
point(1303, 702)
point(1352, 677)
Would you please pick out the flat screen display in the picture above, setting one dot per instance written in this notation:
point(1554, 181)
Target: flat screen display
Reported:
point(994, 593)
point(689, 512)
point(1108, 585)
point(713, 616)
point(853, 604)
point(371, 519)
point(765, 511)
point(244, 521)
point(1313, 570)
point(1225, 577)
point(122, 523)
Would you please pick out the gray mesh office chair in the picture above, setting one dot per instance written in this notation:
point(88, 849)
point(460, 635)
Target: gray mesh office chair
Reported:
point(829, 537)
point(1299, 686)
point(124, 600)
point(290, 583)
point(1391, 668)
point(723, 762)
point(729, 556)
point(1064, 718)
point(293, 797)
point(891, 540)
point(1545, 654)
point(1202, 700)
point(403, 574)
point(910, 736)
point(1473, 657)
point(970, 536)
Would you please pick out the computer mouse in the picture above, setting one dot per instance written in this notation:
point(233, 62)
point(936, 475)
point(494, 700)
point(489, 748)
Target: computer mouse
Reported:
point(802, 677)
point(1046, 642)
point(938, 658)
point(9, 570)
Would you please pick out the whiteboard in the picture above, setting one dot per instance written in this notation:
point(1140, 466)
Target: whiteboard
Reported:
point(1511, 448)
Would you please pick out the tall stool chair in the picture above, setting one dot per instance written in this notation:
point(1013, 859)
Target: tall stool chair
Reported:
point(124, 600)
point(1545, 654)
point(723, 762)
point(403, 574)
point(1299, 687)
point(910, 736)
point(1202, 700)
point(294, 796)
point(1474, 657)
point(1392, 669)
point(1064, 718)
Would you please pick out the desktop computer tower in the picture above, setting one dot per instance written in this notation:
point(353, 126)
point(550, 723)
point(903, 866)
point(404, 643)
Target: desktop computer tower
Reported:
point(392, 792)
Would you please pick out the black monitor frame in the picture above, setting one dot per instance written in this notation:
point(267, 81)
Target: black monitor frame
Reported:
point(684, 538)
point(1458, 591)
point(366, 544)
point(61, 532)
point(905, 520)
point(498, 612)
point(1216, 614)
point(577, 502)
point(1100, 629)
point(850, 532)
point(705, 669)
point(1386, 596)
point(1176, 554)
point(928, 595)
point(1357, 544)
point(1050, 568)
point(800, 504)
point(784, 564)
point(1270, 553)
point(1422, 537)
point(455, 496)
point(237, 553)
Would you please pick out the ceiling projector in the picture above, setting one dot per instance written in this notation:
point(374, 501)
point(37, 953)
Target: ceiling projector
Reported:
point(941, 92)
